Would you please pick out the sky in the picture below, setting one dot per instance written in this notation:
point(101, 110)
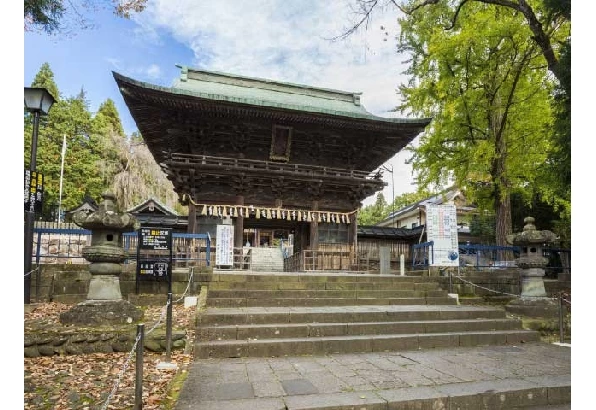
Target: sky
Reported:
point(281, 40)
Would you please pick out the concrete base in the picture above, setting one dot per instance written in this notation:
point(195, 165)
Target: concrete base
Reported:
point(190, 301)
point(166, 366)
point(534, 307)
point(454, 296)
point(102, 312)
point(104, 287)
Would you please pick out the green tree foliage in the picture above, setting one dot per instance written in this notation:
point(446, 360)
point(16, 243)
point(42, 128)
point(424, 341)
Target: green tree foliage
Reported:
point(98, 155)
point(543, 18)
point(45, 79)
point(483, 226)
point(380, 210)
point(107, 117)
point(57, 16)
point(375, 213)
point(410, 198)
point(488, 92)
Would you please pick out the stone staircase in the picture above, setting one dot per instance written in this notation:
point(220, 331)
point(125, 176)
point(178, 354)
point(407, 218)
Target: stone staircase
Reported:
point(267, 259)
point(274, 315)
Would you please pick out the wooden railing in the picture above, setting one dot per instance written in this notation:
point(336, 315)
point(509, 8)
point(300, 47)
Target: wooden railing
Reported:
point(248, 165)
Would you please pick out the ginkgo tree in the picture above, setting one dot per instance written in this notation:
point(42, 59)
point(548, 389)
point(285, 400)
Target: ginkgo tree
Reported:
point(488, 90)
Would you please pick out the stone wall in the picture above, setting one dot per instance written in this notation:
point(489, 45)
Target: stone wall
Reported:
point(77, 341)
point(501, 282)
point(69, 283)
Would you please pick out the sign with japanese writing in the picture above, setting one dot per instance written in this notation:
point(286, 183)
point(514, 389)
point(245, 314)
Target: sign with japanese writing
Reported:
point(155, 239)
point(153, 267)
point(154, 256)
point(224, 245)
point(441, 228)
point(33, 191)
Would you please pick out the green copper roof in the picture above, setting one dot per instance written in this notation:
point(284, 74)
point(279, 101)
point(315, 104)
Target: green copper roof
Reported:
point(217, 86)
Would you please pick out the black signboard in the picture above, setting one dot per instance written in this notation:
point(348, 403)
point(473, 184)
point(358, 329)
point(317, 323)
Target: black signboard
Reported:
point(154, 267)
point(33, 191)
point(155, 239)
point(154, 256)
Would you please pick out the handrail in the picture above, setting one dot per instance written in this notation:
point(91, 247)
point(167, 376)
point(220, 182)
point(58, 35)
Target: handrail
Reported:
point(251, 164)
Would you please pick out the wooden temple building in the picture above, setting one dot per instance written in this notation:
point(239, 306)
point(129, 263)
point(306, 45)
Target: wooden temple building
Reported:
point(267, 155)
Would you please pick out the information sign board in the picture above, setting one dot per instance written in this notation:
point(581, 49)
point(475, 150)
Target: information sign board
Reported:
point(155, 239)
point(441, 228)
point(154, 255)
point(224, 246)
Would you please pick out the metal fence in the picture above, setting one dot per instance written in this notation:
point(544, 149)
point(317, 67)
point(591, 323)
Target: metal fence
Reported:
point(65, 245)
point(489, 257)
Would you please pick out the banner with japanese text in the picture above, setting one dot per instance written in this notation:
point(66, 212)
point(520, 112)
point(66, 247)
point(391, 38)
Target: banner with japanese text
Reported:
point(441, 228)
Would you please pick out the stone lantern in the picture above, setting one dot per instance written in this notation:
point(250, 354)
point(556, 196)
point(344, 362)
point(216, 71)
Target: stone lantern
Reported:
point(534, 301)
point(104, 303)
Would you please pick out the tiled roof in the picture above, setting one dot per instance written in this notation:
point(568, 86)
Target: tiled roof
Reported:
point(164, 208)
point(389, 233)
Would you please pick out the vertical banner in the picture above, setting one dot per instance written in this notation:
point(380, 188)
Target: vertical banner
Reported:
point(33, 191)
point(224, 245)
point(441, 228)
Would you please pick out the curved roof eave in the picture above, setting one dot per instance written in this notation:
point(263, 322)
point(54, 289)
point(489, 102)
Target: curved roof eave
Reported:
point(120, 79)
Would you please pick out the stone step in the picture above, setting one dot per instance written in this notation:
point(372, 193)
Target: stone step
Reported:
point(345, 314)
point(313, 285)
point(302, 330)
point(535, 393)
point(320, 293)
point(358, 343)
point(327, 301)
point(235, 276)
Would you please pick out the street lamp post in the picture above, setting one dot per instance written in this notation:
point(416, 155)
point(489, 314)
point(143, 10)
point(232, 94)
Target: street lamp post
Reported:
point(38, 101)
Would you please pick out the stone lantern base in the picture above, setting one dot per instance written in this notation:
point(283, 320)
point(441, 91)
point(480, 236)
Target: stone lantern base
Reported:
point(102, 312)
point(542, 307)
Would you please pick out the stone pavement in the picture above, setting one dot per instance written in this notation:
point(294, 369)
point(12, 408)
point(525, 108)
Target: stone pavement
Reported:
point(530, 376)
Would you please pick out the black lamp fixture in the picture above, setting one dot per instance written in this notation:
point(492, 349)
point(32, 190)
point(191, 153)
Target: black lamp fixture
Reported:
point(38, 101)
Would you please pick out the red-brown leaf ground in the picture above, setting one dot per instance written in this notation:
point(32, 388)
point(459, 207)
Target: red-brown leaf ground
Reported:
point(85, 381)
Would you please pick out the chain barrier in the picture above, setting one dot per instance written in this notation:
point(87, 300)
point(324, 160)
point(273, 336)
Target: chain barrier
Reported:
point(130, 354)
point(559, 298)
point(122, 371)
point(31, 271)
point(499, 292)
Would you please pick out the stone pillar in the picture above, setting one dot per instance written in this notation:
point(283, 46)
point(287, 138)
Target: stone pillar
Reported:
point(192, 218)
point(314, 228)
point(384, 260)
point(239, 225)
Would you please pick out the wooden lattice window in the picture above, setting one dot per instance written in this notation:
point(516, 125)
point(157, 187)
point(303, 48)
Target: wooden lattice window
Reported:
point(281, 140)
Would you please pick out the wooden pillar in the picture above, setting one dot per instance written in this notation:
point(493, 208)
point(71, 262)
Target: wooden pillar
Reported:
point(353, 231)
point(314, 228)
point(192, 219)
point(239, 225)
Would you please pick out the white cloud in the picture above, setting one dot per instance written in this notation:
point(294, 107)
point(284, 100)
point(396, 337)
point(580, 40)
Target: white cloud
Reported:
point(153, 71)
point(288, 40)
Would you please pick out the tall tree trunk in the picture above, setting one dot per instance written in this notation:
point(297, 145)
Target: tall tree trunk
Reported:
point(502, 198)
point(503, 219)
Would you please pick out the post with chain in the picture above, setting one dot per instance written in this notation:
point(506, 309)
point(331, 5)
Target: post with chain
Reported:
point(169, 329)
point(561, 338)
point(139, 369)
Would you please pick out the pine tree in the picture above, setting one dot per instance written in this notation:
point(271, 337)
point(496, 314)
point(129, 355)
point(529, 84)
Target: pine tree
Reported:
point(45, 79)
